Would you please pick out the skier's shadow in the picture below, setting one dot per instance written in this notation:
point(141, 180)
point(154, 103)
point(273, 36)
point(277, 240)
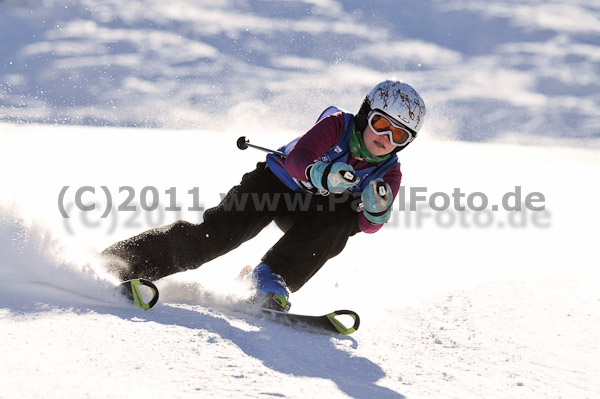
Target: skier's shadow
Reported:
point(280, 348)
point(290, 351)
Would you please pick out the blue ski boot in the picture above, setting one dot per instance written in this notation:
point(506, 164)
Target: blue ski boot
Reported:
point(271, 291)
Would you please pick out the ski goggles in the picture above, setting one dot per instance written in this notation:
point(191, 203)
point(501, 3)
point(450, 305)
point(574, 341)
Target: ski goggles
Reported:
point(398, 135)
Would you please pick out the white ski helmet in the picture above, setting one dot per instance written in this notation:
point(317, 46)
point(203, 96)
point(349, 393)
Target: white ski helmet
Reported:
point(400, 101)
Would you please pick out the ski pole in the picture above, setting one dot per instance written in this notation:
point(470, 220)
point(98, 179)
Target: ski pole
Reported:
point(243, 143)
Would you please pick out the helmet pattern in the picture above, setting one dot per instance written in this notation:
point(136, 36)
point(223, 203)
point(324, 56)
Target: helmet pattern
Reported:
point(400, 101)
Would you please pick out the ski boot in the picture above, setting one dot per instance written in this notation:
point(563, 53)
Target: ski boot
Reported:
point(271, 291)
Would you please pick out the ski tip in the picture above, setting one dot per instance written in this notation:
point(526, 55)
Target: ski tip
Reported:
point(341, 327)
point(131, 290)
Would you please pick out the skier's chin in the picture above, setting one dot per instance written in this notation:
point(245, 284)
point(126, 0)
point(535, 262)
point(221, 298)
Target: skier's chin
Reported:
point(378, 149)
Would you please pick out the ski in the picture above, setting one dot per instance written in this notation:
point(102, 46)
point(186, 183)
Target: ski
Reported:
point(328, 323)
point(130, 289)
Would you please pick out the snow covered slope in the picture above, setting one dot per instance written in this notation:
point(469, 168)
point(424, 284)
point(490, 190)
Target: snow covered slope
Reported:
point(485, 68)
point(467, 309)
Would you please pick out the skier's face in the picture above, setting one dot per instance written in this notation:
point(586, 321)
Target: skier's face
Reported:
point(377, 144)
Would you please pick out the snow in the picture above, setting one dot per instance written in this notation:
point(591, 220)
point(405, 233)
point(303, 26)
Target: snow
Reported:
point(121, 97)
point(459, 312)
point(511, 65)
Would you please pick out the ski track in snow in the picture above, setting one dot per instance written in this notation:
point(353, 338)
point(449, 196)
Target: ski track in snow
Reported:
point(541, 342)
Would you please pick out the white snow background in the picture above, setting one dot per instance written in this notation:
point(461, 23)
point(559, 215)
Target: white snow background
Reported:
point(454, 304)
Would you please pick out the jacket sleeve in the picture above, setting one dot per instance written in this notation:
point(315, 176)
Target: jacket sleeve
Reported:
point(316, 142)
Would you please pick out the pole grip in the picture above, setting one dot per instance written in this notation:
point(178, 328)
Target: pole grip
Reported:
point(242, 143)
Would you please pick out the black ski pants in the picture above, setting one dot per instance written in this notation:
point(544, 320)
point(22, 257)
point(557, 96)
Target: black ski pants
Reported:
point(316, 228)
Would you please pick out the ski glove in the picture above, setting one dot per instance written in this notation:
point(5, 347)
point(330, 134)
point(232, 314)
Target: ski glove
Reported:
point(377, 201)
point(334, 177)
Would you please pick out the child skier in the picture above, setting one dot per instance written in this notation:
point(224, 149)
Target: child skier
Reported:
point(345, 169)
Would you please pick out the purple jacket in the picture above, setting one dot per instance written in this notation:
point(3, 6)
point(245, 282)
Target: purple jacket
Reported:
point(318, 140)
